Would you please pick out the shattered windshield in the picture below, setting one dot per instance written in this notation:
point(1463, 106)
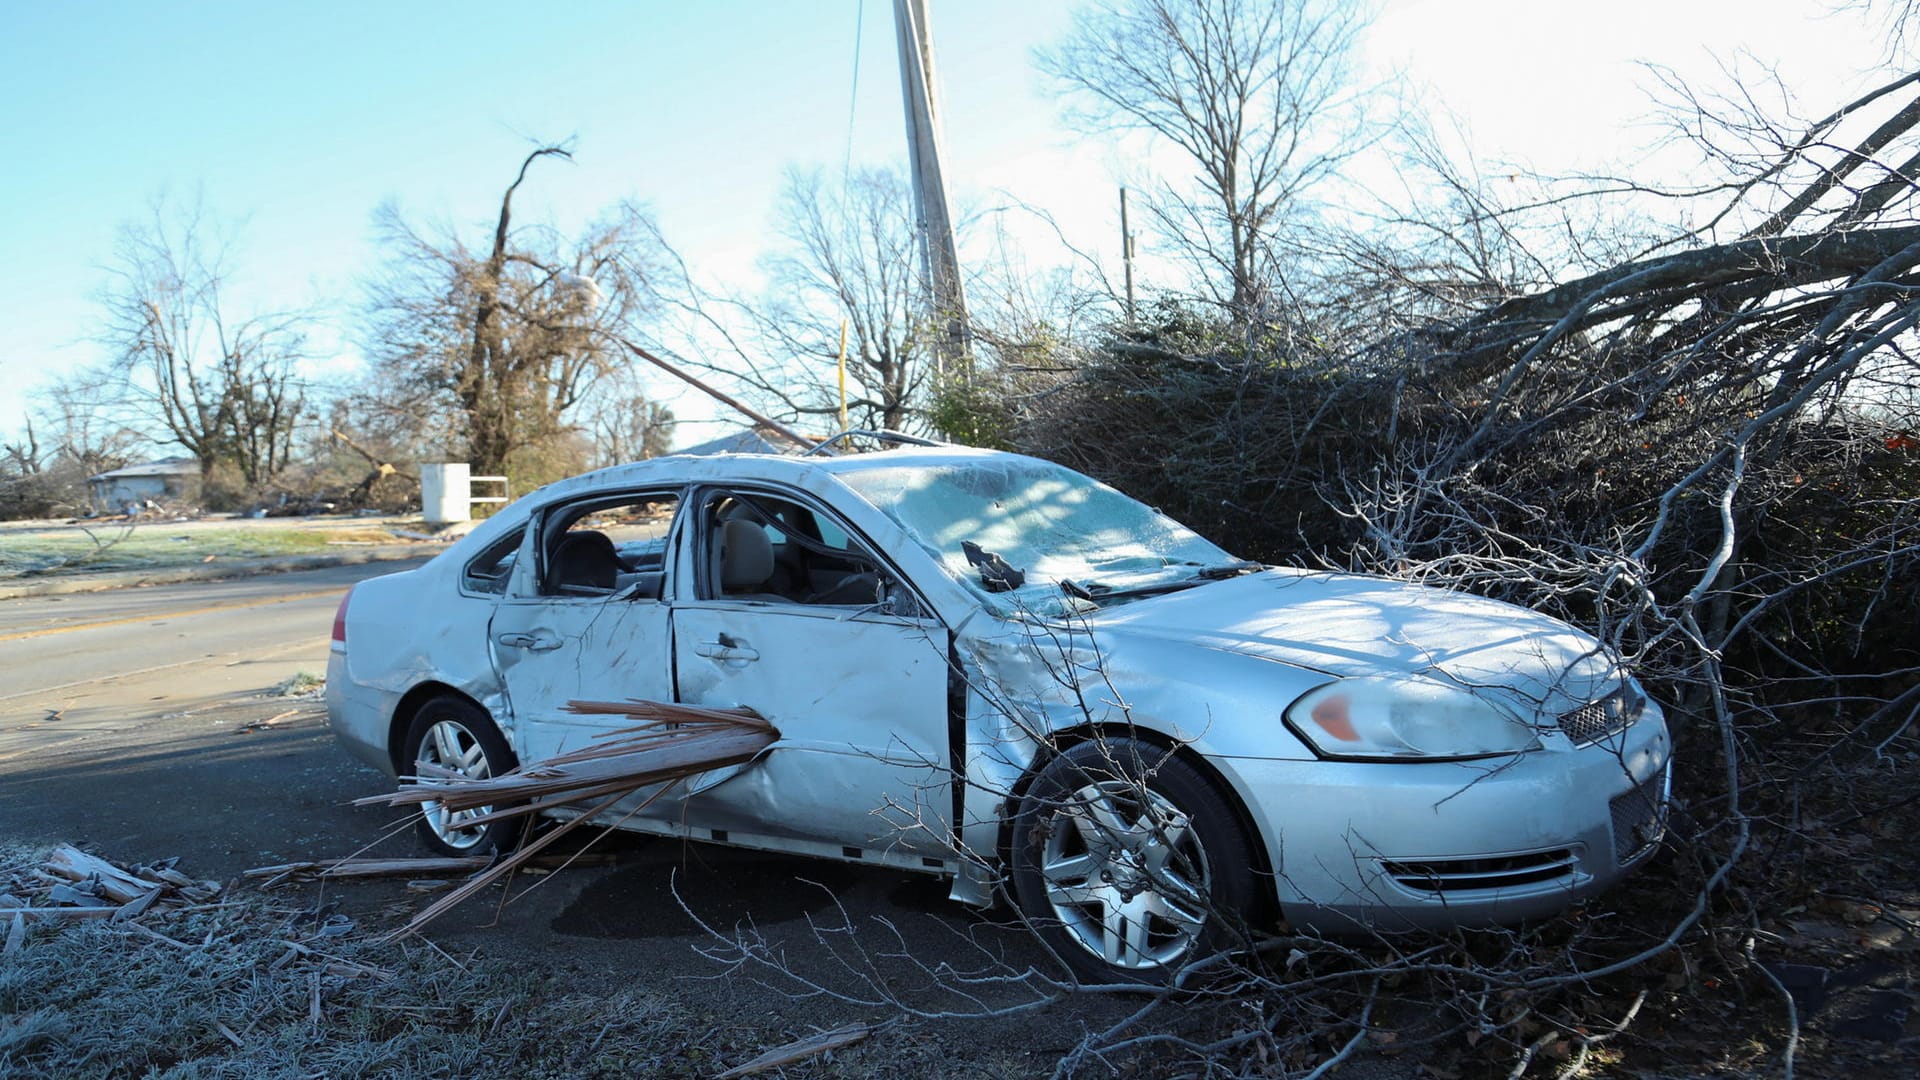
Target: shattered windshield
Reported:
point(1015, 530)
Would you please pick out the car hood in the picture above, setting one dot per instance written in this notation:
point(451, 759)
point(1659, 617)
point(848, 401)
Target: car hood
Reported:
point(1350, 625)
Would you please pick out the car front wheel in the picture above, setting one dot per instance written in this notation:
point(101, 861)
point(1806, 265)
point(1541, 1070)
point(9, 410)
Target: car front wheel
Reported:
point(1128, 862)
point(451, 734)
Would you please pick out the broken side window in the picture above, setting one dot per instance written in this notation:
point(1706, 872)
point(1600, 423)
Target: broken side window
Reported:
point(609, 547)
point(488, 571)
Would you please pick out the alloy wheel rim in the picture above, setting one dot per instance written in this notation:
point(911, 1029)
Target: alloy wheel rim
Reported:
point(451, 746)
point(1125, 875)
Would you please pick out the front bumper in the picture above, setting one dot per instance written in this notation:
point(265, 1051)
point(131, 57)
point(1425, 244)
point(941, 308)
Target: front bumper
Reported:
point(1384, 846)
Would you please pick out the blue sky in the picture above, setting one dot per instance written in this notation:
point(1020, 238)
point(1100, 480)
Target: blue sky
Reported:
point(296, 121)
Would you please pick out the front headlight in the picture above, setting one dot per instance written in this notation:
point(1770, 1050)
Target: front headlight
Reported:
point(1407, 718)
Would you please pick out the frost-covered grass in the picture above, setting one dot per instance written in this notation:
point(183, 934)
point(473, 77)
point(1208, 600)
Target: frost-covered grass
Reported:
point(97, 1000)
point(147, 547)
point(229, 991)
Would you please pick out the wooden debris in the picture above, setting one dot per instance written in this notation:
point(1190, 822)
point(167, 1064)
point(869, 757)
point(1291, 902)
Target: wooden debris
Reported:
point(133, 909)
point(669, 743)
point(70, 884)
point(61, 912)
point(800, 1050)
point(673, 742)
point(370, 868)
point(108, 881)
point(67, 894)
point(158, 936)
point(262, 725)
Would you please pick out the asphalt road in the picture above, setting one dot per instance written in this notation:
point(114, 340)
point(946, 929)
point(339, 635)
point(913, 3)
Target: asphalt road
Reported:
point(140, 724)
point(78, 666)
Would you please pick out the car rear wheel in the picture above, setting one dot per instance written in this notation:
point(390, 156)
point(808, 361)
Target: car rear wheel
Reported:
point(454, 734)
point(1128, 862)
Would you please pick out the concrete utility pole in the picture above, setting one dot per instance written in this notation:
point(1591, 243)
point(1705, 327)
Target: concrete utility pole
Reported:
point(938, 258)
point(1126, 251)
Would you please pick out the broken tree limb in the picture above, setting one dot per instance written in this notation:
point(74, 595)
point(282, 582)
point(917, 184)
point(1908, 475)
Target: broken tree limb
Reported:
point(381, 468)
point(799, 1050)
point(1780, 261)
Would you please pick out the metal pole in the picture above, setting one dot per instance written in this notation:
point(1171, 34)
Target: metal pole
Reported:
point(843, 374)
point(1126, 251)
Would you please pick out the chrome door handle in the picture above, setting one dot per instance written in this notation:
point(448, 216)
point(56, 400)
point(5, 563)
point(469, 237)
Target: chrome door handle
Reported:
point(725, 649)
point(538, 641)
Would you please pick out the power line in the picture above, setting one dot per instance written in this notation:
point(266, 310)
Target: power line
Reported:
point(853, 96)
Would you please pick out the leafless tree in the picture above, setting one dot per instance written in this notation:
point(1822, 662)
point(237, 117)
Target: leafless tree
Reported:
point(623, 424)
point(1259, 94)
point(225, 387)
point(491, 348)
point(843, 255)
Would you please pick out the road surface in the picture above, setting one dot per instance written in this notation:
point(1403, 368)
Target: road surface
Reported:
point(75, 667)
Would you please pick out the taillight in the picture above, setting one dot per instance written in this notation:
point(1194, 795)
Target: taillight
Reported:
point(340, 618)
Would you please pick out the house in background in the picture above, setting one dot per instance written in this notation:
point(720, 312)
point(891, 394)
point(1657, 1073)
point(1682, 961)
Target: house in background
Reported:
point(160, 481)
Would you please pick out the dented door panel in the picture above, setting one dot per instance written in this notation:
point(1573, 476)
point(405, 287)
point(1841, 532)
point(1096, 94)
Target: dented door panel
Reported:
point(552, 651)
point(861, 704)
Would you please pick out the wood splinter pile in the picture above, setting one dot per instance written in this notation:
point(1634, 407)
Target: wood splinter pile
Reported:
point(671, 743)
point(70, 884)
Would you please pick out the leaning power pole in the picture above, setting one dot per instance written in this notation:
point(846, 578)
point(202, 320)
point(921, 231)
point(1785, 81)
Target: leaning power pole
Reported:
point(939, 260)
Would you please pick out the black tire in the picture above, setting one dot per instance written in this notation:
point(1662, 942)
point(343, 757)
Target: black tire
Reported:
point(1128, 862)
point(453, 725)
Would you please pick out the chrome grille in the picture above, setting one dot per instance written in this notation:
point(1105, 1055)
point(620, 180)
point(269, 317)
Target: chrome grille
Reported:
point(1639, 819)
point(1498, 872)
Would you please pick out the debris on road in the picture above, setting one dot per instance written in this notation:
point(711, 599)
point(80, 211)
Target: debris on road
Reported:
point(264, 725)
point(301, 684)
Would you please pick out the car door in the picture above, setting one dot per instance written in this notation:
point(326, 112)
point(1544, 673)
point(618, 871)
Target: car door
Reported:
point(591, 622)
point(818, 636)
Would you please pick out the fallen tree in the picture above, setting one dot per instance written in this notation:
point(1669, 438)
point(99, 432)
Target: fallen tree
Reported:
point(1702, 449)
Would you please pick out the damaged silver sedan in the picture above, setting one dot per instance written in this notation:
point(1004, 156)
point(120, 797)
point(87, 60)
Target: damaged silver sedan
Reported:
point(991, 668)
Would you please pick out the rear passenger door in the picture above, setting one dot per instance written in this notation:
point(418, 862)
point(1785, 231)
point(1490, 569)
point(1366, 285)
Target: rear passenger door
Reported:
point(590, 622)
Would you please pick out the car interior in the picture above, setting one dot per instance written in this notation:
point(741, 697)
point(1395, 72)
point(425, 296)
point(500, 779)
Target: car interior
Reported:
point(771, 549)
point(617, 549)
